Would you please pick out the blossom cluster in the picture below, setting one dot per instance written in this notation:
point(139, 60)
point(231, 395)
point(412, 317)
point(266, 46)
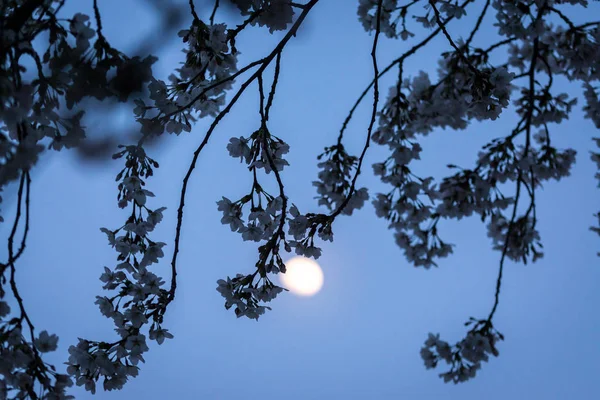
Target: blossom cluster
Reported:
point(198, 88)
point(466, 356)
point(471, 88)
point(262, 150)
point(274, 14)
point(266, 222)
point(40, 109)
point(247, 295)
point(138, 298)
point(394, 14)
point(23, 373)
point(256, 154)
point(261, 223)
point(303, 227)
point(49, 67)
point(334, 184)
point(248, 292)
point(459, 96)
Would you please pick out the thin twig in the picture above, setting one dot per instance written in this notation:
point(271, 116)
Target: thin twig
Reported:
point(500, 43)
point(460, 53)
point(13, 231)
point(563, 17)
point(373, 113)
point(193, 11)
point(26, 231)
point(265, 114)
point(214, 12)
point(214, 85)
point(273, 86)
point(478, 24)
point(98, 22)
point(519, 178)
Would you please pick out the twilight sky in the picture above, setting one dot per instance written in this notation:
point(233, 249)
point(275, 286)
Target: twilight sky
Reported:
point(360, 336)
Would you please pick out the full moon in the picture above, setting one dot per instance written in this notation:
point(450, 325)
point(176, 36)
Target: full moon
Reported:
point(303, 276)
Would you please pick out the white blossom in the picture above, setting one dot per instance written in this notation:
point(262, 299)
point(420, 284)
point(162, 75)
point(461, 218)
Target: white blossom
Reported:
point(46, 342)
point(160, 335)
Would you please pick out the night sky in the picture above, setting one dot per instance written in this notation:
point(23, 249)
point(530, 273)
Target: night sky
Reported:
point(360, 336)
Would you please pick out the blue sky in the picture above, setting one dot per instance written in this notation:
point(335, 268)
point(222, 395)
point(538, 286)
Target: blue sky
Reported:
point(360, 336)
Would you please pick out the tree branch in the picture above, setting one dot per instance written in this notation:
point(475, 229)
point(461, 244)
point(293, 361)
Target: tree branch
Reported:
point(264, 64)
point(398, 60)
point(373, 113)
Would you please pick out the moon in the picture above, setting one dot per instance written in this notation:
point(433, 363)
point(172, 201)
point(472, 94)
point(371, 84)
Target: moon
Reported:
point(303, 276)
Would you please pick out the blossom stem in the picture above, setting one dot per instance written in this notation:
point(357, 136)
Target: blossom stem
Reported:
point(373, 113)
point(511, 224)
point(214, 12)
point(264, 63)
point(477, 25)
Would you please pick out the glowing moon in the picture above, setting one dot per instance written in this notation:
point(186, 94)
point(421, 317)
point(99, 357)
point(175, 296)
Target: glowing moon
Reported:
point(303, 276)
